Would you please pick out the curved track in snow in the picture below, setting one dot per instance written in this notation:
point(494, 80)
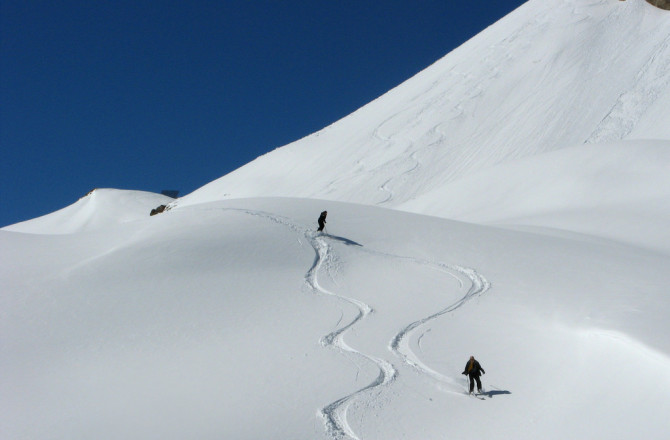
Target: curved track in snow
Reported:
point(400, 343)
point(334, 415)
point(397, 167)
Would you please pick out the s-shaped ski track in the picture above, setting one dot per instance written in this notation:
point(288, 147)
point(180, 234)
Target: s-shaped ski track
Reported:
point(335, 414)
point(400, 344)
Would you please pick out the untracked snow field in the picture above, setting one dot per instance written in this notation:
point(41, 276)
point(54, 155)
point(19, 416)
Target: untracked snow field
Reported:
point(236, 320)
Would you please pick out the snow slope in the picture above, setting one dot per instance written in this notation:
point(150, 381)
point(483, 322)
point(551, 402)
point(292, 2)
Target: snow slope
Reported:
point(163, 328)
point(616, 190)
point(528, 176)
point(550, 75)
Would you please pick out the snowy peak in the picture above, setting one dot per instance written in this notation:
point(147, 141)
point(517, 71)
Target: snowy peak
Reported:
point(552, 74)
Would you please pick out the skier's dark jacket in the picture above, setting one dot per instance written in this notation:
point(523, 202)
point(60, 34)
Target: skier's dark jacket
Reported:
point(472, 368)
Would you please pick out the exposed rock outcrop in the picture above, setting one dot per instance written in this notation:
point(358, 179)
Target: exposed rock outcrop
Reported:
point(158, 210)
point(663, 4)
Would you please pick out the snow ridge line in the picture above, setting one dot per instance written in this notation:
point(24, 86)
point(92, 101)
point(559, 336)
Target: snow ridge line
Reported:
point(335, 413)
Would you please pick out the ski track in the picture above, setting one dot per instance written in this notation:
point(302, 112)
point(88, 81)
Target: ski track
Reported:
point(389, 141)
point(334, 415)
point(400, 344)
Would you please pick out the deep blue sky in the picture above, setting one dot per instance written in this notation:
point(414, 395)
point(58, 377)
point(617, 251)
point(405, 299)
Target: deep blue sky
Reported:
point(154, 95)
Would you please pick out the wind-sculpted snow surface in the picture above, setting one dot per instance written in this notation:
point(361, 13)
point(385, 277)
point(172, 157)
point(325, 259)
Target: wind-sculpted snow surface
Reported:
point(632, 104)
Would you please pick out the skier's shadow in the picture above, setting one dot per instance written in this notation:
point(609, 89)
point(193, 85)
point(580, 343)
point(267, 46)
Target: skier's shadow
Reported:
point(492, 393)
point(343, 240)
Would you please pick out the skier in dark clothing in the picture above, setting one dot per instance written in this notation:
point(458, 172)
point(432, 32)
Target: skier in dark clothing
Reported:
point(322, 221)
point(473, 370)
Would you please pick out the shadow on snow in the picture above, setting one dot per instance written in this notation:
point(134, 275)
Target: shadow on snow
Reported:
point(343, 240)
point(492, 393)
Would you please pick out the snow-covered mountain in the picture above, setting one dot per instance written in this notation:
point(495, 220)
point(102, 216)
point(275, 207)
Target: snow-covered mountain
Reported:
point(550, 75)
point(510, 202)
